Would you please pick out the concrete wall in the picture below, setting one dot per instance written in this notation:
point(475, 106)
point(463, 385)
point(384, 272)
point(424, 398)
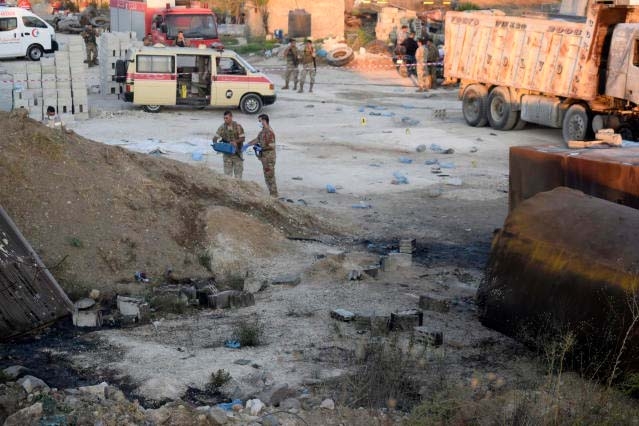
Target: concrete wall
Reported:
point(327, 16)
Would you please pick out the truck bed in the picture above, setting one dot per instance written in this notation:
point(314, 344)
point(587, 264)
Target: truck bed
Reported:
point(540, 55)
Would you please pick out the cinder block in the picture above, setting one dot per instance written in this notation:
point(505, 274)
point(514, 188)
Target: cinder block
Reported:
point(342, 315)
point(407, 246)
point(406, 320)
point(431, 302)
point(87, 318)
point(395, 261)
point(132, 307)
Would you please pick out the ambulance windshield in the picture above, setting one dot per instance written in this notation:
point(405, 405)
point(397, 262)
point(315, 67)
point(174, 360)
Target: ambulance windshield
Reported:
point(193, 26)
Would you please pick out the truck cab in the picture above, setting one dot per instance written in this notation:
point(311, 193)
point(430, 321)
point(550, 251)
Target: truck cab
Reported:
point(199, 26)
point(163, 76)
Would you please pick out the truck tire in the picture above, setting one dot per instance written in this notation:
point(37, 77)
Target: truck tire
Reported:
point(251, 104)
point(521, 124)
point(474, 102)
point(120, 71)
point(576, 124)
point(500, 113)
point(340, 56)
point(35, 52)
point(152, 108)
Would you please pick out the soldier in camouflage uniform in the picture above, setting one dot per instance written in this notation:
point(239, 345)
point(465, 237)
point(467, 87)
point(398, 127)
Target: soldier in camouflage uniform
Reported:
point(292, 60)
point(233, 133)
point(266, 140)
point(308, 66)
point(90, 43)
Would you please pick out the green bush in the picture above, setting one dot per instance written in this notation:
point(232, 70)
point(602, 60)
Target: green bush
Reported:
point(249, 332)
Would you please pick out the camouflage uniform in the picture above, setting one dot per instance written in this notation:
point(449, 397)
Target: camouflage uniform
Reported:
point(432, 57)
point(266, 139)
point(233, 163)
point(422, 69)
point(292, 61)
point(90, 43)
point(308, 66)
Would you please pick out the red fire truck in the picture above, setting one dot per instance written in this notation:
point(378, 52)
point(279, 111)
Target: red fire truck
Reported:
point(163, 21)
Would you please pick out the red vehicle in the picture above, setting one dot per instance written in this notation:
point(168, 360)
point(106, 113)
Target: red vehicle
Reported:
point(163, 23)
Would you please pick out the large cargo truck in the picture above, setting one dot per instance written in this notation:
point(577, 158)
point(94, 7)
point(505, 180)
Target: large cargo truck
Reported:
point(577, 73)
point(163, 20)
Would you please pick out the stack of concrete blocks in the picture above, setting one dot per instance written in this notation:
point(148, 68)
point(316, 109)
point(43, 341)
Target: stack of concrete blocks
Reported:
point(33, 93)
point(49, 84)
point(6, 90)
point(78, 80)
point(111, 47)
point(392, 17)
point(20, 89)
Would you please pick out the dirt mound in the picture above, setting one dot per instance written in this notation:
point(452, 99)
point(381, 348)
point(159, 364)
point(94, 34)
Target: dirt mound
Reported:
point(96, 214)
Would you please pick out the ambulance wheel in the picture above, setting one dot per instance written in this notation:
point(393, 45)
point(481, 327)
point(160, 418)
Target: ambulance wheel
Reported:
point(474, 103)
point(576, 124)
point(152, 108)
point(35, 52)
point(251, 104)
point(500, 114)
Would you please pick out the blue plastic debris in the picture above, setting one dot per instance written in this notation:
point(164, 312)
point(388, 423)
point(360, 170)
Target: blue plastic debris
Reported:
point(361, 109)
point(321, 53)
point(330, 188)
point(233, 344)
point(196, 156)
point(405, 160)
point(447, 165)
point(388, 114)
point(410, 121)
point(407, 106)
point(228, 406)
point(436, 148)
point(375, 113)
point(431, 161)
point(223, 147)
point(361, 205)
point(400, 179)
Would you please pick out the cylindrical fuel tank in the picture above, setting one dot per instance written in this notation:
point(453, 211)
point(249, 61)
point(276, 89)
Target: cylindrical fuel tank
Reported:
point(299, 23)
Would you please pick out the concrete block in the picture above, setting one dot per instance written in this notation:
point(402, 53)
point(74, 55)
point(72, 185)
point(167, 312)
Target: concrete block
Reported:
point(241, 300)
point(428, 337)
point(81, 116)
point(354, 275)
point(133, 307)
point(290, 280)
point(395, 261)
point(376, 323)
point(407, 246)
point(336, 255)
point(435, 303)
point(87, 318)
point(371, 270)
point(406, 320)
point(222, 300)
point(49, 82)
point(342, 315)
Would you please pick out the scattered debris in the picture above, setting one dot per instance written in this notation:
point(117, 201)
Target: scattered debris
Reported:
point(361, 205)
point(439, 113)
point(405, 160)
point(330, 188)
point(133, 308)
point(448, 151)
point(355, 274)
point(473, 149)
point(409, 121)
point(420, 148)
point(371, 270)
point(233, 344)
point(395, 261)
point(290, 280)
point(399, 179)
point(406, 320)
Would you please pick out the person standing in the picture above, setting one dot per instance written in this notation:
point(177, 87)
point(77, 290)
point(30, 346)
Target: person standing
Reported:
point(308, 66)
point(266, 141)
point(292, 60)
point(410, 47)
point(432, 58)
point(422, 68)
point(233, 133)
point(90, 43)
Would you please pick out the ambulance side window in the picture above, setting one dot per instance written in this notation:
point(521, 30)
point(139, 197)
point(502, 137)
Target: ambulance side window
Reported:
point(155, 64)
point(8, 24)
point(230, 66)
point(33, 22)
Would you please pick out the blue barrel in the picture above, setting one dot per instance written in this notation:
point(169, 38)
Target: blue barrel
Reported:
point(279, 34)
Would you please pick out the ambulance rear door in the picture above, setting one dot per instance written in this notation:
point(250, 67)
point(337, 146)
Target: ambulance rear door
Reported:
point(154, 80)
point(10, 40)
point(230, 83)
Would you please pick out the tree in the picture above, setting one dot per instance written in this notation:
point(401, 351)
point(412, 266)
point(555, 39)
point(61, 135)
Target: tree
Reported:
point(262, 6)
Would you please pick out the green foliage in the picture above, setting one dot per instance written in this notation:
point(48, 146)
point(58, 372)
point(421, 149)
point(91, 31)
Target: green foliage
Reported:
point(204, 258)
point(75, 242)
point(217, 380)
point(249, 332)
point(169, 303)
point(630, 385)
point(466, 6)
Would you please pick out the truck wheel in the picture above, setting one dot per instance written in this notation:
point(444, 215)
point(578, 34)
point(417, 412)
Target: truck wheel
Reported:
point(35, 52)
point(576, 124)
point(626, 133)
point(251, 104)
point(474, 103)
point(152, 108)
point(521, 124)
point(500, 114)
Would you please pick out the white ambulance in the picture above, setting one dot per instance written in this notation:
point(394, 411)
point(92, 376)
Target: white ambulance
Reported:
point(24, 34)
point(200, 77)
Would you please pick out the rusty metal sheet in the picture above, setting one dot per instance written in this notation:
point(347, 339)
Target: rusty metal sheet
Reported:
point(565, 261)
point(29, 295)
point(611, 174)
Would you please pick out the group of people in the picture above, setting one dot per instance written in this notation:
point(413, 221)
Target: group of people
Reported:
point(421, 58)
point(294, 57)
point(232, 132)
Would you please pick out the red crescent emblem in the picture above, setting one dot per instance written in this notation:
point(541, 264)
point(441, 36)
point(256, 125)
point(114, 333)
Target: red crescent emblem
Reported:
point(34, 32)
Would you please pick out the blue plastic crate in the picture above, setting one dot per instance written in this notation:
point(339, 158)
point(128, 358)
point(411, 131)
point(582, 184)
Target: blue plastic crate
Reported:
point(223, 147)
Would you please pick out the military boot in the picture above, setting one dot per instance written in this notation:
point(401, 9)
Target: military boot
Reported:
point(301, 88)
point(285, 86)
point(310, 89)
point(295, 86)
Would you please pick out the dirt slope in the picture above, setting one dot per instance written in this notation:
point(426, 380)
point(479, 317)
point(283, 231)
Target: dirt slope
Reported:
point(96, 214)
